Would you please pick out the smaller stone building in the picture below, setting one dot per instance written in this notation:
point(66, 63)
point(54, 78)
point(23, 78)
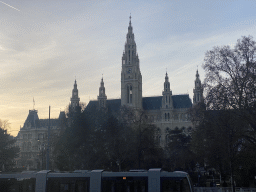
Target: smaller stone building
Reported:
point(32, 140)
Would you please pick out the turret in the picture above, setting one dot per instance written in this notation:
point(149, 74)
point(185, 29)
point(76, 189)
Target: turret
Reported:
point(102, 95)
point(74, 99)
point(167, 94)
point(198, 90)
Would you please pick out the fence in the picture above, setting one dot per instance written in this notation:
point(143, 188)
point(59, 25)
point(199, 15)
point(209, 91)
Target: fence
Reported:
point(222, 189)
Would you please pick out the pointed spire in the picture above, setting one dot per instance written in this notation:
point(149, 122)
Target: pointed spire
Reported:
point(167, 93)
point(130, 23)
point(197, 81)
point(102, 82)
point(75, 85)
point(198, 90)
point(102, 96)
point(166, 83)
point(166, 76)
point(75, 99)
point(197, 75)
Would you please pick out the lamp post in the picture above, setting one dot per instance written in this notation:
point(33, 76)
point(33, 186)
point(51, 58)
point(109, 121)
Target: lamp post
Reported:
point(48, 142)
point(198, 176)
point(41, 150)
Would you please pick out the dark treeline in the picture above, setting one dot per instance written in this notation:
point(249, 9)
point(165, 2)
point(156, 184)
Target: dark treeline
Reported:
point(219, 144)
point(96, 139)
point(8, 150)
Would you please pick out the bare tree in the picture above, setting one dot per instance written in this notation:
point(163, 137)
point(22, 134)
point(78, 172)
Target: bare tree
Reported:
point(230, 85)
point(230, 75)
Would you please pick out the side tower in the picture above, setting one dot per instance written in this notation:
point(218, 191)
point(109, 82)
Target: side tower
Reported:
point(74, 99)
point(131, 79)
point(167, 103)
point(102, 96)
point(198, 90)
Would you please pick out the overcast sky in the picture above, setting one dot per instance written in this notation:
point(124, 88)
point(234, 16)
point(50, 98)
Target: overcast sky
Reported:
point(46, 44)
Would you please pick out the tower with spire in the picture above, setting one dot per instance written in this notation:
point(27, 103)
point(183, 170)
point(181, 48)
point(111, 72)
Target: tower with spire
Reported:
point(198, 90)
point(102, 98)
point(131, 79)
point(74, 99)
point(167, 103)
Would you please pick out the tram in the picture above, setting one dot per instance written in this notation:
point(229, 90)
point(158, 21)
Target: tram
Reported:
point(152, 180)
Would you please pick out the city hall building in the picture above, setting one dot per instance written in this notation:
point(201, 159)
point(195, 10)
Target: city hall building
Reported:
point(166, 111)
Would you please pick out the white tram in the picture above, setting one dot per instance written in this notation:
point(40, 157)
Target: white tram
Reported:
point(153, 180)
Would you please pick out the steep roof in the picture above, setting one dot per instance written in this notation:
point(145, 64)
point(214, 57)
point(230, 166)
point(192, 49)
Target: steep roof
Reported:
point(148, 103)
point(92, 105)
point(112, 104)
point(32, 120)
point(181, 101)
point(152, 103)
point(45, 122)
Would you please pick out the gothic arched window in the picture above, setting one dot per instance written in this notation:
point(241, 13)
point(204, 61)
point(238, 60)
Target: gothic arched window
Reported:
point(129, 93)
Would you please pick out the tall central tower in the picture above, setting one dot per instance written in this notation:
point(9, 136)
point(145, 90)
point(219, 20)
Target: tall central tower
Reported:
point(131, 79)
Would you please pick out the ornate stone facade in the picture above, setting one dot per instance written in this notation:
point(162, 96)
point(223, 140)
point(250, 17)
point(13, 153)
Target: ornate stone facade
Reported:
point(166, 111)
point(32, 140)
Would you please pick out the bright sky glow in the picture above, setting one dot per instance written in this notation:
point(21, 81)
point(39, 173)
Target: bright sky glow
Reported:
point(45, 44)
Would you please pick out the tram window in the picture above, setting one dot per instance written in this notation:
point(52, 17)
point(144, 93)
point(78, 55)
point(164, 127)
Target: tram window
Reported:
point(174, 185)
point(124, 184)
point(65, 187)
point(68, 185)
point(14, 185)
